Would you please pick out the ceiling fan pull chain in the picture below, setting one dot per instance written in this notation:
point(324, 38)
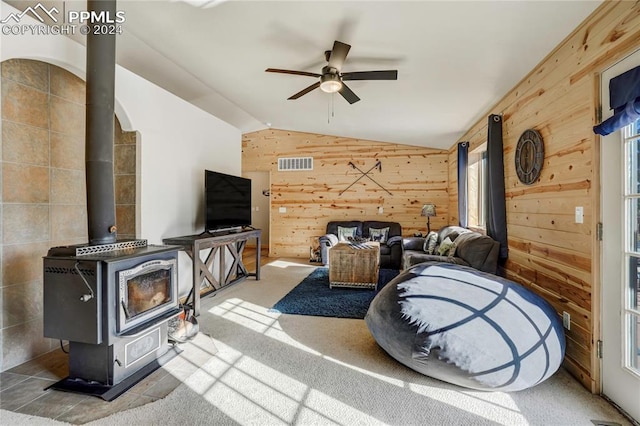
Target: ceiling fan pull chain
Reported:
point(333, 97)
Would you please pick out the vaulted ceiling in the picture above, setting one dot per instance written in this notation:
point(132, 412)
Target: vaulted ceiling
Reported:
point(455, 59)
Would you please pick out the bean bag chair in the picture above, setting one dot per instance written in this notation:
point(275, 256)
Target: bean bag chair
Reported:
point(467, 327)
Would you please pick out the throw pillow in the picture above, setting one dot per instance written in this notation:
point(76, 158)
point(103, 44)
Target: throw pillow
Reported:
point(379, 235)
point(452, 236)
point(445, 246)
point(430, 243)
point(345, 233)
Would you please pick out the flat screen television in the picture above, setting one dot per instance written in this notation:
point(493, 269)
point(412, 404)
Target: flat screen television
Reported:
point(227, 201)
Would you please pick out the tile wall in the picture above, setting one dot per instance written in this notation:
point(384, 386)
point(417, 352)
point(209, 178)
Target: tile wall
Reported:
point(124, 169)
point(42, 192)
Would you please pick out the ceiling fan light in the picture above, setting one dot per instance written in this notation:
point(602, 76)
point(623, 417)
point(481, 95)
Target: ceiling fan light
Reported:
point(330, 83)
point(330, 86)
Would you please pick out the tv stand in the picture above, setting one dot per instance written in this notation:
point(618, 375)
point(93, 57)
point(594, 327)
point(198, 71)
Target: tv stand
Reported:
point(225, 242)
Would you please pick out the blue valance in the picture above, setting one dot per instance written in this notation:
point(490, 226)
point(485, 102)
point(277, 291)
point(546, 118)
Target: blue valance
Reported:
point(624, 100)
point(624, 88)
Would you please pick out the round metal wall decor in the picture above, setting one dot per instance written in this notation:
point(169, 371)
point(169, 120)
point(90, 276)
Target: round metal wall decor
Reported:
point(529, 156)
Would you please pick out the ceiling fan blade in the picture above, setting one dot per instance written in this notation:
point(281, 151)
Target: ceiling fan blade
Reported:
point(338, 54)
point(305, 91)
point(348, 94)
point(371, 75)
point(309, 74)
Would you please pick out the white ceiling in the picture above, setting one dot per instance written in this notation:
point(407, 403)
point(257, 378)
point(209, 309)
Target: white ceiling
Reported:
point(455, 59)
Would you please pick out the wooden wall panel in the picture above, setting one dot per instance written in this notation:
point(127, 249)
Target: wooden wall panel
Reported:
point(413, 175)
point(548, 252)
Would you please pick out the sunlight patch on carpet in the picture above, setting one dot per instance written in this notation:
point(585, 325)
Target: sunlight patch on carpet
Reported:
point(250, 392)
point(493, 406)
point(319, 403)
point(285, 264)
point(265, 321)
point(258, 319)
point(381, 377)
point(245, 314)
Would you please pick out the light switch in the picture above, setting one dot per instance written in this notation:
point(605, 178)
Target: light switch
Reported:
point(579, 214)
point(380, 210)
point(282, 210)
point(257, 208)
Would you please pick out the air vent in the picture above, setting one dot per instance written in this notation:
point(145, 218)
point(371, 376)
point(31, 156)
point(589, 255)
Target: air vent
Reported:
point(295, 163)
point(59, 270)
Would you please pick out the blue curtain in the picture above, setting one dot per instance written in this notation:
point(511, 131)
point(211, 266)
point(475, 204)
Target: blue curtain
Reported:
point(463, 195)
point(496, 203)
point(624, 100)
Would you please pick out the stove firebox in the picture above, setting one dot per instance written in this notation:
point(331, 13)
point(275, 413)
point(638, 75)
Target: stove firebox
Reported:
point(112, 303)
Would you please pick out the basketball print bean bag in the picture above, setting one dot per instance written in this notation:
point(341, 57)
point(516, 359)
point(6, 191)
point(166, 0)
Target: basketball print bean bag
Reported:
point(467, 327)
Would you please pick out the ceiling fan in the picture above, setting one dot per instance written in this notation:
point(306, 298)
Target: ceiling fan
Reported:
point(332, 79)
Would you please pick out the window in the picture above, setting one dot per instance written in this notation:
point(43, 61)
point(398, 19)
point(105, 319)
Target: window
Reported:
point(477, 187)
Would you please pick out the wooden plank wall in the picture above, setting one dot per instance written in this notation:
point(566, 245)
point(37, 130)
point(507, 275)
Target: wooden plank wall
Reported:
point(413, 175)
point(548, 252)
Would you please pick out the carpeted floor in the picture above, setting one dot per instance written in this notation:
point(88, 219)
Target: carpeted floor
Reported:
point(313, 296)
point(280, 369)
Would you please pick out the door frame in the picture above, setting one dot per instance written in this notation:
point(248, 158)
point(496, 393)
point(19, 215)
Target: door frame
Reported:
point(610, 241)
point(267, 173)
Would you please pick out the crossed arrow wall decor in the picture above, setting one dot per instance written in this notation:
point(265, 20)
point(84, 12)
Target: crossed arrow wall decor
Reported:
point(378, 166)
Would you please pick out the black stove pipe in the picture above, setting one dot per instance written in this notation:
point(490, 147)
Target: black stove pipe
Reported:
point(101, 62)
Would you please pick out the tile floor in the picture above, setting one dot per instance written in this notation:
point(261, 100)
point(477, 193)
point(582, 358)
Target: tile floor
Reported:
point(22, 387)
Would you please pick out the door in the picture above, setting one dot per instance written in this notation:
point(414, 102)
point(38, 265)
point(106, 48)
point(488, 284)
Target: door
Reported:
point(260, 203)
point(620, 279)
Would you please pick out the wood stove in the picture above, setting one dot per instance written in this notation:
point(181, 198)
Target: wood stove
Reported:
point(112, 303)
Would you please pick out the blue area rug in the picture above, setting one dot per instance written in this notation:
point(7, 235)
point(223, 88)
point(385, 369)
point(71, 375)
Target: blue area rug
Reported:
point(314, 297)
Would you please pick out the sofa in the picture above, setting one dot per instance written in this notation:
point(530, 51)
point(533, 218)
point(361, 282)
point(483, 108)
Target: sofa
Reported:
point(357, 231)
point(453, 244)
